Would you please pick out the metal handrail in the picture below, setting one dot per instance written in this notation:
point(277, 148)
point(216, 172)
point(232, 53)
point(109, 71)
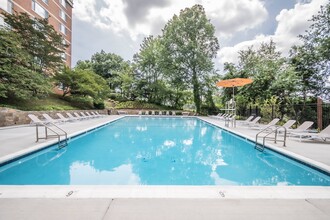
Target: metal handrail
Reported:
point(57, 134)
point(275, 130)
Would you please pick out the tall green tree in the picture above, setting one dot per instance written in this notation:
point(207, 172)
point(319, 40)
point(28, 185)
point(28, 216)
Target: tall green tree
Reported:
point(109, 66)
point(17, 79)
point(39, 39)
point(190, 45)
point(150, 74)
point(312, 59)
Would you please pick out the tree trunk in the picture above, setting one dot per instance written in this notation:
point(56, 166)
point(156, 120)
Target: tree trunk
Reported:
point(197, 99)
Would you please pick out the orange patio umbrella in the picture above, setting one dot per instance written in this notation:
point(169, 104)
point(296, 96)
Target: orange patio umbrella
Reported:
point(234, 83)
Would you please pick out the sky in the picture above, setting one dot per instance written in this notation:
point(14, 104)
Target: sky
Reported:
point(119, 26)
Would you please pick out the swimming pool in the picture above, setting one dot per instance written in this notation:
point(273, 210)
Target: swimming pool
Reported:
point(159, 151)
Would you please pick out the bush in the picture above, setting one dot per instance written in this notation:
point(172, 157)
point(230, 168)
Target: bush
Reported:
point(137, 105)
point(117, 97)
point(81, 102)
point(99, 105)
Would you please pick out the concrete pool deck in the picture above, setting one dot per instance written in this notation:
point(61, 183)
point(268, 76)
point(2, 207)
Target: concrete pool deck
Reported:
point(161, 202)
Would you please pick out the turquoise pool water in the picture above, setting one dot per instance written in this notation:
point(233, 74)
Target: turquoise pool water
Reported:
point(159, 151)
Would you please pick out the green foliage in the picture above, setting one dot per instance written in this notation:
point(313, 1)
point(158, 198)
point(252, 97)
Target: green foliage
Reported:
point(190, 45)
point(38, 39)
point(312, 59)
point(272, 76)
point(82, 83)
point(99, 104)
point(17, 79)
point(151, 85)
point(269, 108)
point(137, 105)
point(48, 103)
point(80, 102)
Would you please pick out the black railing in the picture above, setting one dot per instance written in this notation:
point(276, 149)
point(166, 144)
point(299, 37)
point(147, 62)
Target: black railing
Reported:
point(298, 112)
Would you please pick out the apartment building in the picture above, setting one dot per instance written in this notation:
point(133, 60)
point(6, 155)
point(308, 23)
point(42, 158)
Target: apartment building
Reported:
point(58, 13)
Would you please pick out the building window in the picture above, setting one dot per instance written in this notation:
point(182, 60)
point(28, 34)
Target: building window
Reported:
point(62, 28)
point(6, 5)
point(63, 3)
point(62, 15)
point(10, 7)
point(63, 55)
point(3, 4)
point(2, 22)
point(39, 9)
point(45, 1)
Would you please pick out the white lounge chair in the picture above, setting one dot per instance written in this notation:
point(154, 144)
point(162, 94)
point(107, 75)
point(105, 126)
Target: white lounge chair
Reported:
point(52, 120)
point(230, 120)
point(36, 120)
point(95, 115)
point(323, 135)
point(267, 126)
point(98, 114)
point(173, 113)
point(121, 112)
point(160, 113)
point(301, 128)
point(64, 118)
point(254, 121)
point(287, 125)
point(73, 117)
point(152, 112)
point(185, 113)
point(246, 121)
point(79, 116)
point(90, 115)
point(224, 116)
point(84, 115)
point(167, 113)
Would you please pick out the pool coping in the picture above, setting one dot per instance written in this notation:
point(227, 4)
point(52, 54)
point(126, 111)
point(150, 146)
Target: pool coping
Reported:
point(141, 191)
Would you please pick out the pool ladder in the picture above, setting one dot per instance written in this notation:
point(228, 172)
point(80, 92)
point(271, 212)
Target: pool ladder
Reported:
point(57, 132)
point(273, 129)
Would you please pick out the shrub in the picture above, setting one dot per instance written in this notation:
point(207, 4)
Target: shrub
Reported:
point(137, 105)
point(81, 102)
point(99, 105)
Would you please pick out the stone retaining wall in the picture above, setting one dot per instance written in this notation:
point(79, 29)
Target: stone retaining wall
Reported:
point(10, 117)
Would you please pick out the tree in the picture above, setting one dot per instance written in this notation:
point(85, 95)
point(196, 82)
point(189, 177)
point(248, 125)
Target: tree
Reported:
point(190, 46)
point(109, 66)
point(271, 73)
point(17, 79)
point(83, 83)
point(148, 64)
point(312, 59)
point(39, 40)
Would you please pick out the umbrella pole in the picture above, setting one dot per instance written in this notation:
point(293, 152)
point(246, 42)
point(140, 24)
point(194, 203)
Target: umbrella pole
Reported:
point(234, 107)
point(233, 93)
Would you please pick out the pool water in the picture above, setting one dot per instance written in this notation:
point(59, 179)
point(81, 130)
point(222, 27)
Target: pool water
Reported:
point(159, 151)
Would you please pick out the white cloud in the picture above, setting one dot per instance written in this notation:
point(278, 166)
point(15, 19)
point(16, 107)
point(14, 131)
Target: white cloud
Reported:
point(119, 16)
point(291, 23)
point(230, 17)
point(230, 54)
point(85, 10)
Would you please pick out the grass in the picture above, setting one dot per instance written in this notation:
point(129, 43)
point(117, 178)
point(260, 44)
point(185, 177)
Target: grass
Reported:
point(56, 102)
point(52, 102)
